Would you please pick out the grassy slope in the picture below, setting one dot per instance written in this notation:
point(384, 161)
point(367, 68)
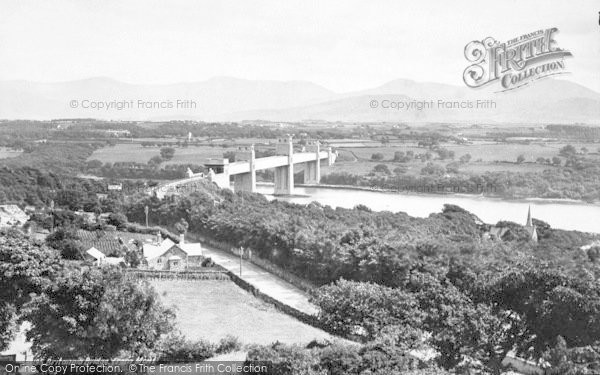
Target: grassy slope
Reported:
point(211, 309)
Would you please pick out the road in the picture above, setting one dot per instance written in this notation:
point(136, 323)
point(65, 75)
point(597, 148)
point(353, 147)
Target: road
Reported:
point(266, 282)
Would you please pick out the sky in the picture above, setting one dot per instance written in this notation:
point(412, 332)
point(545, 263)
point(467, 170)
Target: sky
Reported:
point(343, 45)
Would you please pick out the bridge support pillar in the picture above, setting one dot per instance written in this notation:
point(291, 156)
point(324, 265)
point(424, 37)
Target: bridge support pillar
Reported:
point(246, 181)
point(218, 172)
point(312, 169)
point(331, 156)
point(284, 175)
point(284, 180)
point(312, 172)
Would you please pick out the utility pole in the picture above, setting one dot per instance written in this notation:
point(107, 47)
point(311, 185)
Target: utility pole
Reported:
point(241, 254)
point(52, 211)
point(146, 212)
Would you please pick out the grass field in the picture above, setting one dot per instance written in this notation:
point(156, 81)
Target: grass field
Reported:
point(485, 151)
point(485, 157)
point(136, 153)
point(8, 153)
point(212, 309)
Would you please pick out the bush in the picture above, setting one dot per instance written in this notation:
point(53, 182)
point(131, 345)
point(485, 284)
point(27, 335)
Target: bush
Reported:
point(382, 168)
point(176, 348)
point(208, 262)
point(377, 156)
point(228, 344)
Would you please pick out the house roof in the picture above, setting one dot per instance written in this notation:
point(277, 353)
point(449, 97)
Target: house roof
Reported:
point(11, 213)
point(108, 242)
point(192, 249)
point(152, 250)
point(95, 253)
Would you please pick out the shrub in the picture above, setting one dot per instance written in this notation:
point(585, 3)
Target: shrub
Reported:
point(208, 262)
point(176, 348)
point(228, 344)
point(377, 156)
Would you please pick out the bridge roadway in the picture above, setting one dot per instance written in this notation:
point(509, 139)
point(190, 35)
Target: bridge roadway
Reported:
point(268, 162)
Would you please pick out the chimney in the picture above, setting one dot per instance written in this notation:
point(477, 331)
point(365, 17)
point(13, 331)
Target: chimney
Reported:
point(181, 238)
point(158, 238)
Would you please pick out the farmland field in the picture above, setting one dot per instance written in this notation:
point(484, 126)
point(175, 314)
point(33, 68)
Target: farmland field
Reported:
point(136, 153)
point(8, 153)
point(212, 309)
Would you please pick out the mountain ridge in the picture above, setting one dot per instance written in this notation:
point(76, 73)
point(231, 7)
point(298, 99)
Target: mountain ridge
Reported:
point(234, 99)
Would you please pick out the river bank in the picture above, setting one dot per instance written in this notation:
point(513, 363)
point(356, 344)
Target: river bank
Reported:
point(561, 214)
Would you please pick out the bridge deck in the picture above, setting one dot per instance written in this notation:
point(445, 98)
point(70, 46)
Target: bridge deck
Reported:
point(239, 167)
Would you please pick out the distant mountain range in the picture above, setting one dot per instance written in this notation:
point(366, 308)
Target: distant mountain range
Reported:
point(231, 99)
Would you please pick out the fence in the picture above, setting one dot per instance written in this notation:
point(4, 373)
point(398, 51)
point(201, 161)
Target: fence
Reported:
point(301, 316)
point(178, 275)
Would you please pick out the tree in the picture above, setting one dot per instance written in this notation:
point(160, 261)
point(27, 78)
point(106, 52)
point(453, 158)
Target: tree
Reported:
point(364, 309)
point(117, 219)
point(567, 151)
point(182, 226)
point(465, 158)
point(65, 240)
point(382, 168)
point(97, 313)
point(453, 167)
point(520, 159)
point(547, 303)
point(556, 160)
point(133, 258)
point(25, 269)
point(399, 155)
point(229, 155)
point(400, 170)
point(155, 161)
point(167, 153)
point(377, 156)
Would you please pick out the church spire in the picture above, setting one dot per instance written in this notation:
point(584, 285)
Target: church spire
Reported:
point(529, 221)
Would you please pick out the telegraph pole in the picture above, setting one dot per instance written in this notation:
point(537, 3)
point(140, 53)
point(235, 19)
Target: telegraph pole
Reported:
point(241, 254)
point(52, 211)
point(146, 212)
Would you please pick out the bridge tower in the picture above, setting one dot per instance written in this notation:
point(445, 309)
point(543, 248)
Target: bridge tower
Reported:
point(284, 175)
point(312, 169)
point(246, 181)
point(218, 172)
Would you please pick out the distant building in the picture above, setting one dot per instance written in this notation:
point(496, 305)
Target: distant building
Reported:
point(118, 133)
point(503, 233)
point(12, 216)
point(167, 255)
